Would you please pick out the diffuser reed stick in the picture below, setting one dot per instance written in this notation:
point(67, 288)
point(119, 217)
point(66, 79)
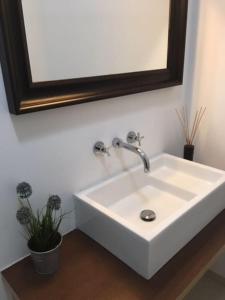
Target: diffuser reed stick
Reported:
point(189, 130)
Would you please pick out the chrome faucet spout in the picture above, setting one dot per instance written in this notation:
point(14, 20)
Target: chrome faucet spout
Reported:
point(145, 160)
point(118, 143)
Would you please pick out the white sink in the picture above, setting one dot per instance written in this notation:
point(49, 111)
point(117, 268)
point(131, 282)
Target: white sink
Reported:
point(185, 196)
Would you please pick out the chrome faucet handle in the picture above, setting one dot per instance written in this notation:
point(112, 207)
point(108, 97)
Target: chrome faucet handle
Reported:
point(139, 138)
point(101, 149)
point(134, 137)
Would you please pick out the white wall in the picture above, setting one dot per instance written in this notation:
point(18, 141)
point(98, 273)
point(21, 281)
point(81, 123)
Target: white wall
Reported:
point(209, 87)
point(53, 149)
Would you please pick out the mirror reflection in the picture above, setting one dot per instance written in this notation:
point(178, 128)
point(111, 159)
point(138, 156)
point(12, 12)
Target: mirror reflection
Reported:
point(85, 38)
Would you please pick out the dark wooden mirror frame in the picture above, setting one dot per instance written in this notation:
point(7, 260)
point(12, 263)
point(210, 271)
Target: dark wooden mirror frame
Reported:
point(25, 96)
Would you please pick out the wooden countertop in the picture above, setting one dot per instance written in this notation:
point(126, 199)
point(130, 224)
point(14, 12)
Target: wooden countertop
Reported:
point(89, 272)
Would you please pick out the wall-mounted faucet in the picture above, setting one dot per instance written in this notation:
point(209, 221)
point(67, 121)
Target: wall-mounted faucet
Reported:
point(131, 138)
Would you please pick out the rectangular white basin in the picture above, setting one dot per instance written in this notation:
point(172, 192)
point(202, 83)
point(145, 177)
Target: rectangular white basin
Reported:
point(184, 195)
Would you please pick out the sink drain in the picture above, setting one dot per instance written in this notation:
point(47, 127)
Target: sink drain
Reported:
point(148, 215)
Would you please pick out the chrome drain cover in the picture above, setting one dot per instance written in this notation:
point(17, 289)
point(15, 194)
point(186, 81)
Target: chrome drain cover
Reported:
point(148, 215)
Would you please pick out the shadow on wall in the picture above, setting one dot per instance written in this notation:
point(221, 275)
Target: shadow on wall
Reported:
point(209, 82)
point(52, 122)
point(191, 49)
point(220, 5)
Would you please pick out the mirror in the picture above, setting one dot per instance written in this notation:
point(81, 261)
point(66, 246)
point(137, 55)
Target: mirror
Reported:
point(56, 53)
point(85, 38)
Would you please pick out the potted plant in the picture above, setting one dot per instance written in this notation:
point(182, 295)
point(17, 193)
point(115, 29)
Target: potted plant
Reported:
point(41, 229)
point(189, 130)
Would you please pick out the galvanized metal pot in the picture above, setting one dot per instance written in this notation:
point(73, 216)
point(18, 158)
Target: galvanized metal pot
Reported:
point(46, 263)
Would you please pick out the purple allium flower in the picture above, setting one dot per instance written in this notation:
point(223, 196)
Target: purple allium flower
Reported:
point(23, 215)
point(24, 190)
point(54, 202)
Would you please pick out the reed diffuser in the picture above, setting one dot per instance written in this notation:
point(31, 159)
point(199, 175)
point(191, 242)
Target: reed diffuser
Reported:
point(190, 130)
